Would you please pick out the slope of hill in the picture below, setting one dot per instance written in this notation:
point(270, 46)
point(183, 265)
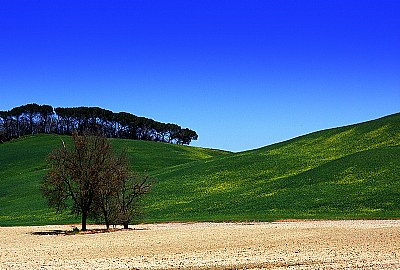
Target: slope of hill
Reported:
point(22, 165)
point(347, 172)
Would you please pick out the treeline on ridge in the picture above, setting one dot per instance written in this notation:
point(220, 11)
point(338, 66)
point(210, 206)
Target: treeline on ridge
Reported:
point(34, 119)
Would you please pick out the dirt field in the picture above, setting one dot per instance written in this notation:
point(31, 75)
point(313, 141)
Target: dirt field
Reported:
point(278, 245)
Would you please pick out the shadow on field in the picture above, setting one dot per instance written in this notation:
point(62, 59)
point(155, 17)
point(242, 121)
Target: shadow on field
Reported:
point(77, 231)
point(53, 232)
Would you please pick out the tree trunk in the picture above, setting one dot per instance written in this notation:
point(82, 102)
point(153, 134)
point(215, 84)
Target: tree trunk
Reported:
point(84, 217)
point(31, 124)
point(125, 223)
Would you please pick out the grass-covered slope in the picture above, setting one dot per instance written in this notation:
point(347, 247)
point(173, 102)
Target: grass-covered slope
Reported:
point(347, 172)
point(22, 165)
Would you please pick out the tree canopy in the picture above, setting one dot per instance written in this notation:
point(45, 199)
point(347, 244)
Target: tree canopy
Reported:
point(35, 119)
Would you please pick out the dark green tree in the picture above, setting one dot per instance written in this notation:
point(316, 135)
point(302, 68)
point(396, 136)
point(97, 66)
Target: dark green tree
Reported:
point(34, 118)
point(46, 113)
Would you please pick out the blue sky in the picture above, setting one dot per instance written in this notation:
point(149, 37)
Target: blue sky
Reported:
point(243, 74)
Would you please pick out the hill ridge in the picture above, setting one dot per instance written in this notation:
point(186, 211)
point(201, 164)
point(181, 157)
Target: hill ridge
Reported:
point(390, 116)
point(236, 181)
point(347, 172)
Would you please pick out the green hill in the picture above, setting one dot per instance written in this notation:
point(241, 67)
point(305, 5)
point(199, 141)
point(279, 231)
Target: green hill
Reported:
point(341, 173)
point(347, 172)
point(22, 165)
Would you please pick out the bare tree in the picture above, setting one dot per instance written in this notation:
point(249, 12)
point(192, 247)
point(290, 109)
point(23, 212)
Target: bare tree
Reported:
point(129, 197)
point(79, 174)
point(105, 200)
point(91, 180)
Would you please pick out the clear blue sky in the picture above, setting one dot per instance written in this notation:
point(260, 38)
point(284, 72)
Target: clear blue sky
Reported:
point(243, 74)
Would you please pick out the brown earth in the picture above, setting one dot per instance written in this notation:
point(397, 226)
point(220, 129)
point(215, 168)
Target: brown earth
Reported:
point(278, 245)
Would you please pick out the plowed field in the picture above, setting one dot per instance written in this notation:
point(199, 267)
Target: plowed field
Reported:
point(277, 245)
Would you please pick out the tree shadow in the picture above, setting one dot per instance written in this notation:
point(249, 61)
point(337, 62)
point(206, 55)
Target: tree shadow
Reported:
point(90, 231)
point(54, 232)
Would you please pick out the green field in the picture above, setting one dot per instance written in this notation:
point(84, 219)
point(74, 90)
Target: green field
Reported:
point(342, 173)
point(23, 163)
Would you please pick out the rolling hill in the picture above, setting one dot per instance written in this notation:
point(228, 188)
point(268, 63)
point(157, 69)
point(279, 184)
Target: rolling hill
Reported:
point(340, 173)
point(22, 165)
point(350, 172)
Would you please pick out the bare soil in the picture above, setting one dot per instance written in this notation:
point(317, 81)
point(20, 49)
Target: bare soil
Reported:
point(278, 245)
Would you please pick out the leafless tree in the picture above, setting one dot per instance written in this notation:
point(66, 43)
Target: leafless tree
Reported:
point(78, 175)
point(93, 181)
point(129, 197)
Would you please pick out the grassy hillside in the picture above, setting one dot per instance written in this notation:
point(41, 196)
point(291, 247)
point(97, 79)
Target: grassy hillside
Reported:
point(22, 165)
point(347, 172)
